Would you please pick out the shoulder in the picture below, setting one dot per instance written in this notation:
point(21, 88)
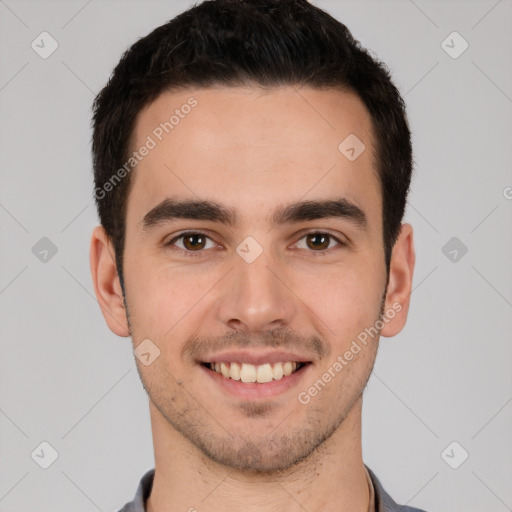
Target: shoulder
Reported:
point(138, 504)
point(383, 501)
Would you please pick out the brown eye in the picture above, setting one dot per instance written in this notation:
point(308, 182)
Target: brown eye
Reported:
point(190, 242)
point(318, 241)
point(194, 241)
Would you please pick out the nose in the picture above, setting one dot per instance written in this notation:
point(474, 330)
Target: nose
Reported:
point(257, 296)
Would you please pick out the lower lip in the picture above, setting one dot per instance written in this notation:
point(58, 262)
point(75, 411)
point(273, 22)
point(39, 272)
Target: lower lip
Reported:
point(255, 390)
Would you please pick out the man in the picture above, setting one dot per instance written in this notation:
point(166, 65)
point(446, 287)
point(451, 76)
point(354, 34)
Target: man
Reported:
point(252, 164)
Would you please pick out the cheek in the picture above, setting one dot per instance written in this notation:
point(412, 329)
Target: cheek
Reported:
point(160, 299)
point(347, 299)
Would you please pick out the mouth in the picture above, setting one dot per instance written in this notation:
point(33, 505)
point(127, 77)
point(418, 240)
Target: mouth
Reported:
point(262, 381)
point(251, 373)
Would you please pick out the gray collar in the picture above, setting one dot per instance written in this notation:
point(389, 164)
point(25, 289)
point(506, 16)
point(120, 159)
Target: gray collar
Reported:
point(383, 501)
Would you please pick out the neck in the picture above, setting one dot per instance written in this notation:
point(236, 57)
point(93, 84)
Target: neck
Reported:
point(332, 478)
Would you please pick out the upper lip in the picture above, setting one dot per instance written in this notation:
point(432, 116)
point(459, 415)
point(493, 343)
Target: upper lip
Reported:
point(255, 358)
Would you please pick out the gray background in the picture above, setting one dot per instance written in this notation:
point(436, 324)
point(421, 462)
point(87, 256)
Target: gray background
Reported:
point(67, 380)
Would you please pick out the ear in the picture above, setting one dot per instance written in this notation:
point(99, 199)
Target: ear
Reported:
point(399, 288)
point(106, 282)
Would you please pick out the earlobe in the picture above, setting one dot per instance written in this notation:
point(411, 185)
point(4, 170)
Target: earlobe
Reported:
point(106, 282)
point(400, 283)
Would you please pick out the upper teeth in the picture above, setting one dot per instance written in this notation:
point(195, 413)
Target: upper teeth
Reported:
point(254, 373)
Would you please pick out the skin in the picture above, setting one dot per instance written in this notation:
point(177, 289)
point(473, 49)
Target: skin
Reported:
point(255, 150)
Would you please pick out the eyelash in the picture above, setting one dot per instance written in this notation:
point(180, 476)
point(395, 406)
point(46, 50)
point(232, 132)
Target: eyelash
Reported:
point(199, 252)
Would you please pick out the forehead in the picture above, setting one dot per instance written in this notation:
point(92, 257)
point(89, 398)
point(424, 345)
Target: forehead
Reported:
point(249, 147)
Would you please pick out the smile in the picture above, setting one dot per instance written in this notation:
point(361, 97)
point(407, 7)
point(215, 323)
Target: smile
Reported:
point(262, 373)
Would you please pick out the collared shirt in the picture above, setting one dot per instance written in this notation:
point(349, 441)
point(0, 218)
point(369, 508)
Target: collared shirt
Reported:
point(380, 500)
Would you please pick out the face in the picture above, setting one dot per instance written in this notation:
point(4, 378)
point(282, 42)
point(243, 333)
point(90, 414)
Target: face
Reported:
point(254, 246)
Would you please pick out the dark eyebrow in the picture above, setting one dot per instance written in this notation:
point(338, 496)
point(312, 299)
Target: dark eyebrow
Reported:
point(171, 208)
point(312, 210)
